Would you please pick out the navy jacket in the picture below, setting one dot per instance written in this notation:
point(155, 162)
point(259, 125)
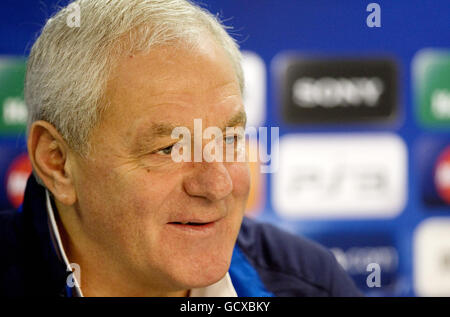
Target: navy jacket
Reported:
point(266, 261)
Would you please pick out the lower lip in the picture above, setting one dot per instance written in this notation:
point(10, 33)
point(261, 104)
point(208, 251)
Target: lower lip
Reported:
point(206, 228)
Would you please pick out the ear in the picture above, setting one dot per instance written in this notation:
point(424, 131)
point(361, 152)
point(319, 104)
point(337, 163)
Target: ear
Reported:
point(49, 155)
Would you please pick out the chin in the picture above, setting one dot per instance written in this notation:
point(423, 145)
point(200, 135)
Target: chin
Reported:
point(205, 273)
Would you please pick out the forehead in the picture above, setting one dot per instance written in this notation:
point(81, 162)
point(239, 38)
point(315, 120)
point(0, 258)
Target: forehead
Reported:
point(173, 84)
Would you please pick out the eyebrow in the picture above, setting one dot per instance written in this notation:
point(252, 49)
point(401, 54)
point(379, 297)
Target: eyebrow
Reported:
point(150, 135)
point(239, 118)
point(165, 129)
point(161, 129)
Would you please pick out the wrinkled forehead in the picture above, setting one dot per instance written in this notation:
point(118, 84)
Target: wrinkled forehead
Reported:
point(171, 86)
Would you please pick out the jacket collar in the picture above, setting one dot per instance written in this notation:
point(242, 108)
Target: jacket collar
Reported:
point(52, 271)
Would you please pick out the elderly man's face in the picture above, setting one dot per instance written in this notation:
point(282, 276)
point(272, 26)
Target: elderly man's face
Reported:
point(132, 196)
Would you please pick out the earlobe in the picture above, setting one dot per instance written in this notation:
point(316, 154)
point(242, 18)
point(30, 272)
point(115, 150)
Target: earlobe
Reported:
point(49, 155)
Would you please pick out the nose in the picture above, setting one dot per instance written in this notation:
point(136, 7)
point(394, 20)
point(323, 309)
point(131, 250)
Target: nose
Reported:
point(210, 180)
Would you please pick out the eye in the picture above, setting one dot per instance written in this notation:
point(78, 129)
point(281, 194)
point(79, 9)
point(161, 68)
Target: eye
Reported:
point(165, 151)
point(230, 139)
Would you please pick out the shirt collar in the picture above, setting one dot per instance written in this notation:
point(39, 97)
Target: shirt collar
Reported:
point(222, 288)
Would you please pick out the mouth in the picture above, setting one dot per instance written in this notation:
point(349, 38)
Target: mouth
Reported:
point(193, 226)
point(190, 223)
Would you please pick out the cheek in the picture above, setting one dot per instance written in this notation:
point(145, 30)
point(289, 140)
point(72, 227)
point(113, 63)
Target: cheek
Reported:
point(240, 175)
point(146, 194)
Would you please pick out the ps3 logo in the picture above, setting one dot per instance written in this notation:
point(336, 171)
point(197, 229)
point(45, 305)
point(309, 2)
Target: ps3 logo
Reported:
point(340, 175)
point(363, 180)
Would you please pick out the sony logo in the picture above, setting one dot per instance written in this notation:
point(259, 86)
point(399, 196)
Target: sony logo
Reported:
point(337, 90)
point(328, 92)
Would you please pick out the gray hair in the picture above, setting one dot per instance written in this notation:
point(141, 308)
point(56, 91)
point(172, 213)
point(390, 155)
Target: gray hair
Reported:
point(68, 67)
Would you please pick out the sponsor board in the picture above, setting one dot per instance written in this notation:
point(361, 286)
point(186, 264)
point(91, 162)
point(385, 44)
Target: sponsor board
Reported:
point(337, 90)
point(431, 78)
point(255, 88)
point(327, 176)
point(432, 257)
point(357, 252)
point(13, 111)
point(433, 159)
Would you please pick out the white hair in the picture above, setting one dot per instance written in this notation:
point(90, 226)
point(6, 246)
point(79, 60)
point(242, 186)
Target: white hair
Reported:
point(68, 67)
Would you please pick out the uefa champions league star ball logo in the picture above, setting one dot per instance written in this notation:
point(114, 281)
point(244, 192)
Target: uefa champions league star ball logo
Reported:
point(16, 179)
point(442, 175)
